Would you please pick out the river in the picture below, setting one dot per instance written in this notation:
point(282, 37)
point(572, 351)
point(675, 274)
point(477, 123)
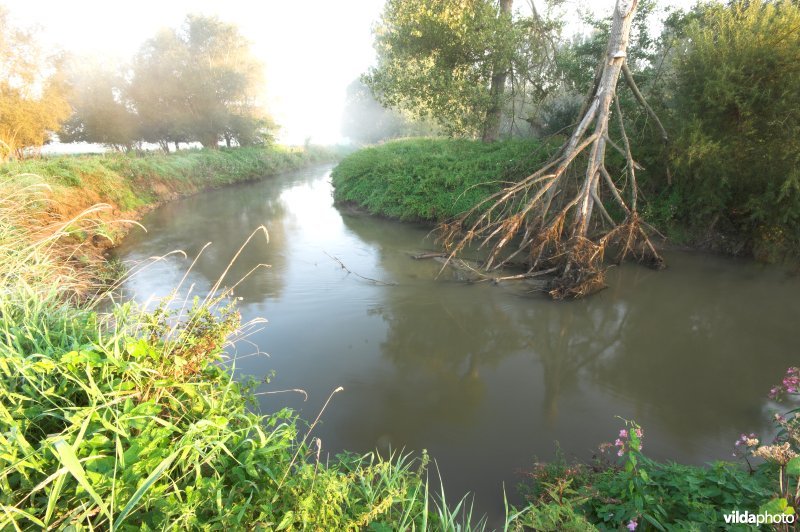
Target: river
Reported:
point(486, 378)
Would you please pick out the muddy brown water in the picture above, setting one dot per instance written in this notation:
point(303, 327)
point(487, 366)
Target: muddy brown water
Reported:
point(486, 378)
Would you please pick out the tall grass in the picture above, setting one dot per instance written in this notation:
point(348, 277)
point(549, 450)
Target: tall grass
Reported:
point(433, 179)
point(126, 420)
point(130, 181)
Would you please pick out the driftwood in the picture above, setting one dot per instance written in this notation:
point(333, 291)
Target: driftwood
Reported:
point(369, 279)
point(472, 271)
point(553, 223)
point(429, 255)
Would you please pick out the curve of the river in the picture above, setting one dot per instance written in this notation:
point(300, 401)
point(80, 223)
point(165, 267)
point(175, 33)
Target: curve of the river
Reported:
point(486, 378)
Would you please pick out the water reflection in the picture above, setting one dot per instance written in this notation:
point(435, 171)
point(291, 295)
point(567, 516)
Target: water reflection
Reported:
point(485, 377)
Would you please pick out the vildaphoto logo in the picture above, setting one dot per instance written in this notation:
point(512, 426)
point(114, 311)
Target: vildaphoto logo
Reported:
point(763, 518)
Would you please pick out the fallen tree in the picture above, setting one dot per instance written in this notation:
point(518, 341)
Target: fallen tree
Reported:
point(555, 218)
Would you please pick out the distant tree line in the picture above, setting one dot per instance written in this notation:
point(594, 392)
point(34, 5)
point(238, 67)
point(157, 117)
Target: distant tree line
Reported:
point(196, 83)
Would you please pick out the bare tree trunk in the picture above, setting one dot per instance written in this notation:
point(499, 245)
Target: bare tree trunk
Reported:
point(550, 219)
point(491, 127)
point(604, 94)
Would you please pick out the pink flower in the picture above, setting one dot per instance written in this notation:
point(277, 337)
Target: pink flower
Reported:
point(790, 384)
point(632, 524)
point(623, 433)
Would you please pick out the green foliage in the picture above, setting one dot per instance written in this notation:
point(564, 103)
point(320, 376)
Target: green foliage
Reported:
point(198, 82)
point(737, 114)
point(438, 59)
point(556, 510)
point(99, 111)
point(433, 60)
point(679, 495)
point(627, 486)
point(33, 95)
point(432, 179)
point(129, 181)
point(127, 420)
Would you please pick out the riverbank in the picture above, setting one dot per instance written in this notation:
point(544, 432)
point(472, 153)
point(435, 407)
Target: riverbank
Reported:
point(125, 418)
point(435, 180)
point(133, 405)
point(432, 180)
point(129, 185)
point(92, 201)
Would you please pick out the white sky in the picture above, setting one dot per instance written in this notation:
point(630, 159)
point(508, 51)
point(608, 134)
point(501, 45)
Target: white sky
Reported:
point(312, 49)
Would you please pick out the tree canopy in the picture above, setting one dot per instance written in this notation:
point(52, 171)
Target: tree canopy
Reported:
point(737, 121)
point(199, 82)
point(101, 112)
point(436, 60)
point(33, 91)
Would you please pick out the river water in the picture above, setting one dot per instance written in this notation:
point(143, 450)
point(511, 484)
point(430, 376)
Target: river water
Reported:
point(486, 378)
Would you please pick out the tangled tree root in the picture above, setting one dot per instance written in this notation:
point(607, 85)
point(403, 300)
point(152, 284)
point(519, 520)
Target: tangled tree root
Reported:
point(552, 222)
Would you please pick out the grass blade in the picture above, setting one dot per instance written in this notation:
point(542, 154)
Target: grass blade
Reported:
point(73, 465)
point(151, 479)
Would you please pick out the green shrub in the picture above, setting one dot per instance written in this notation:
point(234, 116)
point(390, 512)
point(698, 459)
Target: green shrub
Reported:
point(625, 488)
point(736, 109)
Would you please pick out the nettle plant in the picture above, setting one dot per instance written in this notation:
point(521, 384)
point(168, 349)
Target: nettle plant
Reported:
point(784, 451)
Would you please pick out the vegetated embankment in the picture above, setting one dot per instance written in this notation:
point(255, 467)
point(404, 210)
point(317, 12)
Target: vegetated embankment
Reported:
point(124, 419)
point(433, 180)
point(132, 184)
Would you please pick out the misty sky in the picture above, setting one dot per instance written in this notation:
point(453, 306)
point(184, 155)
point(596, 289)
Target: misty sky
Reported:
point(312, 49)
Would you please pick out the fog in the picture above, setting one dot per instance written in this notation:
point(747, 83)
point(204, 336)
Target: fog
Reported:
point(312, 49)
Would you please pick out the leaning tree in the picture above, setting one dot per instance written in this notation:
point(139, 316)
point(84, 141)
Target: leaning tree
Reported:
point(560, 220)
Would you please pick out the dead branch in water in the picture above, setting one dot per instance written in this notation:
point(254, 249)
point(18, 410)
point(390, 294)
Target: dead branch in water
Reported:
point(349, 271)
point(562, 227)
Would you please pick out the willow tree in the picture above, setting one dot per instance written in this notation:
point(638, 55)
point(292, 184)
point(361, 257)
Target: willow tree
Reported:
point(101, 113)
point(199, 82)
point(446, 61)
point(556, 219)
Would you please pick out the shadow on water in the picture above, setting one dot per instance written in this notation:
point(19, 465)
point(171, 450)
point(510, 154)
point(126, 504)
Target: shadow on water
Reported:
point(484, 377)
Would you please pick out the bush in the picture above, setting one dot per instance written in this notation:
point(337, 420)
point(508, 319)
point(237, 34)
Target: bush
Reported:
point(624, 488)
point(737, 111)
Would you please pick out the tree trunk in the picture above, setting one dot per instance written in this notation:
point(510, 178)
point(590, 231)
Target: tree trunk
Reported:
point(494, 114)
point(604, 94)
point(547, 217)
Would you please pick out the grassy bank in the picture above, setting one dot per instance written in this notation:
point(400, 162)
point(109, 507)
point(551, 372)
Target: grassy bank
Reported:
point(130, 184)
point(125, 419)
point(435, 180)
point(432, 179)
